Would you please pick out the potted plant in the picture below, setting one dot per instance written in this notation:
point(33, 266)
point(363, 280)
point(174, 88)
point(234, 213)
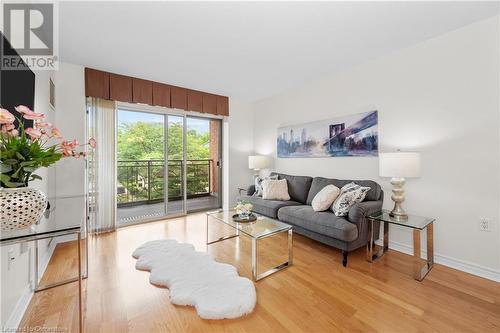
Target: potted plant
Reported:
point(22, 152)
point(244, 209)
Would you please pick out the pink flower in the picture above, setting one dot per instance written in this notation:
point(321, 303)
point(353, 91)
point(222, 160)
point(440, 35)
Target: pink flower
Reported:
point(10, 130)
point(6, 117)
point(56, 133)
point(92, 142)
point(67, 152)
point(22, 109)
point(70, 145)
point(33, 133)
point(28, 114)
point(45, 134)
point(43, 124)
point(7, 128)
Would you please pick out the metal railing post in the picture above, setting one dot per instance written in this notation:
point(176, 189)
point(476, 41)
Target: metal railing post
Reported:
point(209, 176)
point(149, 180)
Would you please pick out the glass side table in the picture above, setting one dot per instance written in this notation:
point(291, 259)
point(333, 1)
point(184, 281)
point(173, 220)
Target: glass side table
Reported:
point(417, 223)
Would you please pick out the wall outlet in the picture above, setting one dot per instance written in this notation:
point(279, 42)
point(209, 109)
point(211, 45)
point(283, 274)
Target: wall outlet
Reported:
point(484, 224)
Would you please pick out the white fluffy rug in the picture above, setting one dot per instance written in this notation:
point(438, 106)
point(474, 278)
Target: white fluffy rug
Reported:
point(195, 278)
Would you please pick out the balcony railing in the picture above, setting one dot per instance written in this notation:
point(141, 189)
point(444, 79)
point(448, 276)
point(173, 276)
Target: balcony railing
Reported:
point(142, 181)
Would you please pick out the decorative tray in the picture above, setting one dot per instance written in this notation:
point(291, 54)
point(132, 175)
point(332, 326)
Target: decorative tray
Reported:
point(250, 218)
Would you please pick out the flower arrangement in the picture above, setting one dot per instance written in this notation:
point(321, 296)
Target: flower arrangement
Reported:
point(24, 150)
point(244, 209)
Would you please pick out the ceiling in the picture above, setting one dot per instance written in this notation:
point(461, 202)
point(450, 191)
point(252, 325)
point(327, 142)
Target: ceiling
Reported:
point(248, 50)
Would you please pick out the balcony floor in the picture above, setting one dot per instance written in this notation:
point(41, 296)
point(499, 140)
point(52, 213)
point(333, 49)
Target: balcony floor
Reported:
point(133, 214)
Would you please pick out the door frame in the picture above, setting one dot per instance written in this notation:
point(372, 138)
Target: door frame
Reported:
point(219, 169)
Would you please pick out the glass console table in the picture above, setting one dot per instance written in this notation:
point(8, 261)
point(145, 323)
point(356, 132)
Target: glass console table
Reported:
point(39, 232)
point(75, 210)
point(417, 223)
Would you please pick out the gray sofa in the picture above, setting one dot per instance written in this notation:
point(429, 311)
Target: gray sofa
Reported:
point(345, 233)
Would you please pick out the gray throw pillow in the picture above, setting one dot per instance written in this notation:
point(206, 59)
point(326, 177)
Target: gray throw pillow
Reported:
point(258, 183)
point(350, 194)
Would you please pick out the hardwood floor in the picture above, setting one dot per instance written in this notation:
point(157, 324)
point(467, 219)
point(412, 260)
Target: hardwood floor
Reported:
point(316, 294)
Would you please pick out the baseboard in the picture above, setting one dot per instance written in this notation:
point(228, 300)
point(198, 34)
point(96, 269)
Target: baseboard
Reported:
point(460, 265)
point(22, 304)
point(17, 314)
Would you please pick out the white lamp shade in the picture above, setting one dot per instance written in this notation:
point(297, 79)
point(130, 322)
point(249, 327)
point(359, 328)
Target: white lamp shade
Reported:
point(399, 164)
point(258, 162)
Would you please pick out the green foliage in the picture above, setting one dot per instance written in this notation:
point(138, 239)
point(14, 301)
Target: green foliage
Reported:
point(20, 157)
point(144, 141)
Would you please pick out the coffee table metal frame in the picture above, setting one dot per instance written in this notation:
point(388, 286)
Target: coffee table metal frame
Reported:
point(255, 275)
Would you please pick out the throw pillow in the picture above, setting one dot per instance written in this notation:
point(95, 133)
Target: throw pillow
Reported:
point(258, 184)
point(275, 190)
point(350, 195)
point(325, 198)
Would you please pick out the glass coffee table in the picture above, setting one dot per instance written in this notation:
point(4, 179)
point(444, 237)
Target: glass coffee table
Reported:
point(262, 228)
point(417, 223)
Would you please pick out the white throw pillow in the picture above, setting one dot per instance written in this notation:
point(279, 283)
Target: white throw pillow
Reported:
point(275, 190)
point(350, 195)
point(325, 198)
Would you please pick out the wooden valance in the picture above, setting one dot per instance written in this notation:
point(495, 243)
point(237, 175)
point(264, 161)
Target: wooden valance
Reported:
point(135, 90)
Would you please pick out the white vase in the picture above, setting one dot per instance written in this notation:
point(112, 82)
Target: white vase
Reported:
point(21, 207)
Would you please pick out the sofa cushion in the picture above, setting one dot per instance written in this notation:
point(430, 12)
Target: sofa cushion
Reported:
point(298, 186)
point(325, 198)
point(325, 223)
point(318, 183)
point(268, 207)
point(275, 190)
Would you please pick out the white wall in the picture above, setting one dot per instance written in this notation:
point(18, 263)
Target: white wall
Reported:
point(440, 97)
point(70, 118)
point(239, 146)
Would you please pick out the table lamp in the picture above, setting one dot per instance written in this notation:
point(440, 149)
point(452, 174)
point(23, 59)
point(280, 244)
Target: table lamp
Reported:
point(258, 162)
point(398, 166)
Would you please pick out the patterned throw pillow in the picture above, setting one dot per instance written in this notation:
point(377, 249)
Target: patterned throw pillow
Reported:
point(350, 194)
point(258, 184)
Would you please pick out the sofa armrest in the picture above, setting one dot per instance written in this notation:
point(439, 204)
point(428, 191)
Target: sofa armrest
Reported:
point(359, 211)
point(251, 190)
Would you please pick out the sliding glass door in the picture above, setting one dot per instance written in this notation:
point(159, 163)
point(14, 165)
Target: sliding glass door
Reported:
point(167, 165)
point(175, 173)
point(140, 184)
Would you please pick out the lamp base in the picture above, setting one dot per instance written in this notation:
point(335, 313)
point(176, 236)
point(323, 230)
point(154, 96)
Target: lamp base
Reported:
point(398, 197)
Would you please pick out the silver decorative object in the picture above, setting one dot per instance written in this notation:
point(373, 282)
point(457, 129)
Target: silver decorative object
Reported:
point(398, 166)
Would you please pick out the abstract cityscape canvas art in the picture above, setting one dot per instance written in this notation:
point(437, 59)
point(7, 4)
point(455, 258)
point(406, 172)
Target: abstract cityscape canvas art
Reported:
point(353, 135)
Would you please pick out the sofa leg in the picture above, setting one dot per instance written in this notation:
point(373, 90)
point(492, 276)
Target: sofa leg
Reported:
point(344, 258)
